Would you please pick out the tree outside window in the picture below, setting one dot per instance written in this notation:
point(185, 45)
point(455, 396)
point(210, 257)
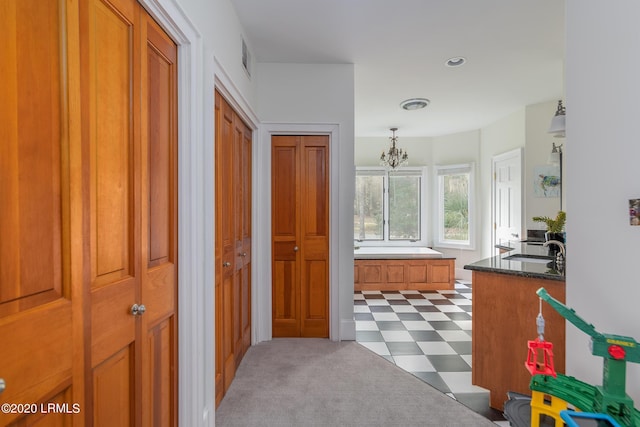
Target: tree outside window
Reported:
point(368, 208)
point(404, 207)
point(454, 212)
point(388, 205)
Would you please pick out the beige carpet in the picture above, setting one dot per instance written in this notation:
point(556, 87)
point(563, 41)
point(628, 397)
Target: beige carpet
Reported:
point(315, 382)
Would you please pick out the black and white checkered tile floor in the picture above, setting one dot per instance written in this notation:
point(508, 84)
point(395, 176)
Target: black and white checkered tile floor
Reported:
point(426, 333)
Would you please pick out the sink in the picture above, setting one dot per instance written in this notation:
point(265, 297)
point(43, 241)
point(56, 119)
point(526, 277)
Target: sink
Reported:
point(541, 259)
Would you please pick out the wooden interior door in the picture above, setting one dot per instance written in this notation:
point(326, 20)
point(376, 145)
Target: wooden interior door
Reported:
point(300, 233)
point(242, 176)
point(225, 246)
point(159, 221)
point(129, 93)
point(111, 53)
point(38, 247)
point(285, 190)
point(88, 222)
point(233, 149)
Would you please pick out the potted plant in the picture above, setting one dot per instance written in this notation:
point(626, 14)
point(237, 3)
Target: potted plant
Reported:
point(555, 226)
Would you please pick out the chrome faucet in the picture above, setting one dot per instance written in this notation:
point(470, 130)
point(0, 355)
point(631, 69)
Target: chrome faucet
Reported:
point(556, 242)
point(560, 257)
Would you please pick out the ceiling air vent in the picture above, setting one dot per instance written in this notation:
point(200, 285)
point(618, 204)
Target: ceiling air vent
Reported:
point(414, 103)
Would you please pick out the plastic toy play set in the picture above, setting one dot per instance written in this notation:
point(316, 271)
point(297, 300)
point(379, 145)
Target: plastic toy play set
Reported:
point(565, 400)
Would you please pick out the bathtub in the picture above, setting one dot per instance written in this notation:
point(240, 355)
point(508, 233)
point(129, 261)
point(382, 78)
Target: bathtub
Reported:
point(398, 268)
point(395, 252)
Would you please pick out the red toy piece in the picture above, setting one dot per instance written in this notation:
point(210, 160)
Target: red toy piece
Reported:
point(532, 363)
point(617, 352)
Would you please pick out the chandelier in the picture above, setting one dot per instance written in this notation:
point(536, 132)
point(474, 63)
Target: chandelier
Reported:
point(395, 157)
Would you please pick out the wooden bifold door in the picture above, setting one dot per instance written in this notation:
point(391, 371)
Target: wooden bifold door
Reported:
point(233, 242)
point(300, 235)
point(88, 183)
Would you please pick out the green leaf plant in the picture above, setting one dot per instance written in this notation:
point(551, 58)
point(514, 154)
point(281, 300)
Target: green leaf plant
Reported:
point(553, 225)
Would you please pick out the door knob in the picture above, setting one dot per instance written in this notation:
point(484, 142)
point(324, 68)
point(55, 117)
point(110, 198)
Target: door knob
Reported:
point(2, 385)
point(295, 249)
point(226, 264)
point(243, 254)
point(138, 310)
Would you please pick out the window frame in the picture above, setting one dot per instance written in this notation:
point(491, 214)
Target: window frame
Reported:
point(439, 172)
point(423, 214)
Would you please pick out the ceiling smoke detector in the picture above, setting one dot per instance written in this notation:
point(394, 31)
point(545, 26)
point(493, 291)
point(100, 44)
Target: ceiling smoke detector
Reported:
point(414, 103)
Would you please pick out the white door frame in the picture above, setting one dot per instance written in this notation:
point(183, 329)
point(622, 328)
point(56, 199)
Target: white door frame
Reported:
point(261, 237)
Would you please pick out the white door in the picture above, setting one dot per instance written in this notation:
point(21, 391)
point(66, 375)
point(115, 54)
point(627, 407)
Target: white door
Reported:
point(507, 197)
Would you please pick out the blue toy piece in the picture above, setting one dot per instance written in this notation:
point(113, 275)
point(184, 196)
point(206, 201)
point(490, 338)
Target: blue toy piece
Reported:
point(587, 419)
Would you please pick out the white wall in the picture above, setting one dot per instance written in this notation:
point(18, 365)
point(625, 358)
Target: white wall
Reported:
point(454, 149)
point(307, 97)
point(537, 150)
point(502, 136)
point(601, 158)
point(222, 40)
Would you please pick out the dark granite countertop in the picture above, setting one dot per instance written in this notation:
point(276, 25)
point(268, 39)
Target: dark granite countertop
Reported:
point(536, 267)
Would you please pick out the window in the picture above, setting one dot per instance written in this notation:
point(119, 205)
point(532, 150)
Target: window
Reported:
point(388, 206)
point(369, 207)
point(454, 213)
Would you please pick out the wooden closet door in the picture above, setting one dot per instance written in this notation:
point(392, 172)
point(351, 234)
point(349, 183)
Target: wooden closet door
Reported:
point(233, 242)
point(159, 195)
point(219, 271)
point(314, 237)
point(285, 219)
point(39, 190)
point(242, 178)
point(300, 229)
point(111, 102)
point(225, 248)
point(89, 225)
point(129, 90)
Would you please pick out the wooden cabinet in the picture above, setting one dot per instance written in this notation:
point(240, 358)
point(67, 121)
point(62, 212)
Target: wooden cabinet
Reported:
point(504, 319)
point(88, 180)
point(404, 274)
point(233, 242)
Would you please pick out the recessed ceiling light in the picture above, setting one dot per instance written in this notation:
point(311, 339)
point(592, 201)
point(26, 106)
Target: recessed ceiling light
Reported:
point(414, 103)
point(456, 61)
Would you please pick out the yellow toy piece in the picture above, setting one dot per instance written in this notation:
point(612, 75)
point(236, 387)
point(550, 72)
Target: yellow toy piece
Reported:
point(546, 404)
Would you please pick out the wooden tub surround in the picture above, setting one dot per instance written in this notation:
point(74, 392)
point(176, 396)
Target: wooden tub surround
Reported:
point(403, 271)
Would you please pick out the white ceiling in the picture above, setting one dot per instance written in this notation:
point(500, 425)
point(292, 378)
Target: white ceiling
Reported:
point(514, 51)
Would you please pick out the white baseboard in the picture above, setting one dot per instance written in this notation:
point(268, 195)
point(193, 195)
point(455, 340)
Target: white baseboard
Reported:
point(347, 330)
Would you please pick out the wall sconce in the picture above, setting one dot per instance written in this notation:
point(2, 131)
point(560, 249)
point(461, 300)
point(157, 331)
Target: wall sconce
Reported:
point(557, 127)
point(555, 158)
